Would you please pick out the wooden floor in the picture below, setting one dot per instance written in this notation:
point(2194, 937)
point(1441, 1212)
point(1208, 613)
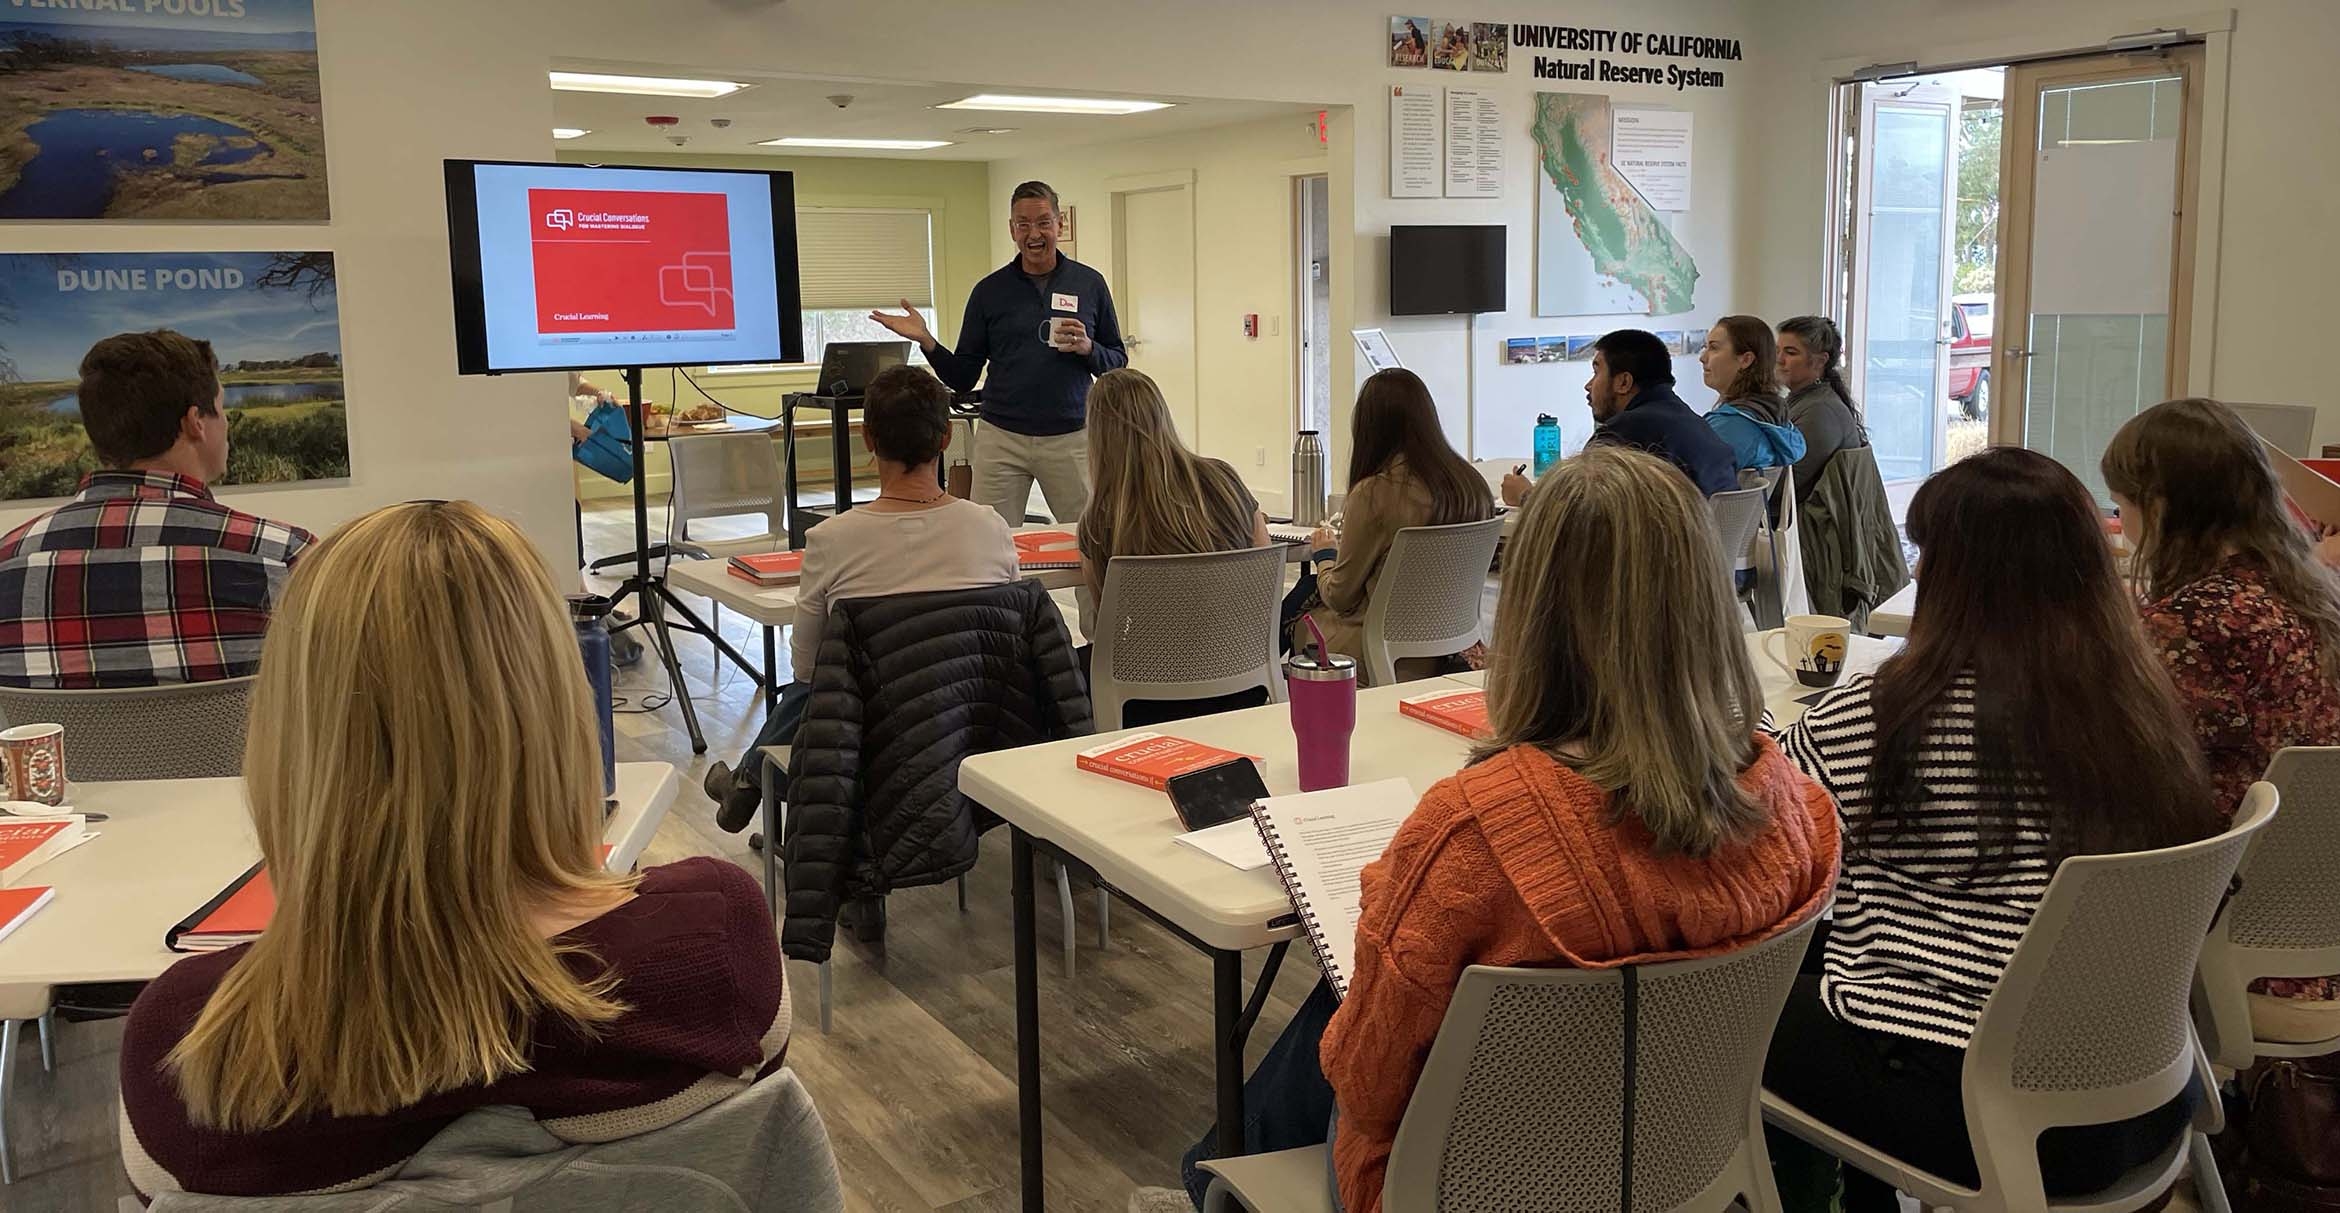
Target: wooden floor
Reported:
point(917, 1080)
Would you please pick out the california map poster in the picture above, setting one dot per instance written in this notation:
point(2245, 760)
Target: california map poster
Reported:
point(273, 321)
point(1601, 249)
point(160, 109)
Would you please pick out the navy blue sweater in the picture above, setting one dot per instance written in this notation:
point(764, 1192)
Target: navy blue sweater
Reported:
point(1658, 422)
point(1034, 388)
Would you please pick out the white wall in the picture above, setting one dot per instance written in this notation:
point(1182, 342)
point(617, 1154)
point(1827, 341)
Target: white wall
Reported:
point(405, 85)
point(2277, 238)
point(1326, 52)
point(1244, 255)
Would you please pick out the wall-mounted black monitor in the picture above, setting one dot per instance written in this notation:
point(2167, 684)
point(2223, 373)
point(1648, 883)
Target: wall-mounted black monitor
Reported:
point(1445, 269)
point(577, 267)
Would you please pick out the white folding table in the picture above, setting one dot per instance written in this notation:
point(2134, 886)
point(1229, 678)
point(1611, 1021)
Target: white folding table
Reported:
point(1124, 833)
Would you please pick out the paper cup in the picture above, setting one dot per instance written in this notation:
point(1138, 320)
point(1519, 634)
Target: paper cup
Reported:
point(33, 756)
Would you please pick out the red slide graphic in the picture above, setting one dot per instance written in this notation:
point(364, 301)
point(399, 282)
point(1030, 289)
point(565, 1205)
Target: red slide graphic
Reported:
point(630, 261)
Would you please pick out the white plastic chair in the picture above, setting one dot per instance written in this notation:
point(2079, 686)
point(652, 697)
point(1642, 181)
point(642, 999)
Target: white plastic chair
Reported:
point(724, 476)
point(2088, 1025)
point(1186, 627)
point(1736, 515)
point(763, 1150)
point(2284, 917)
point(192, 730)
point(1522, 1101)
point(1426, 600)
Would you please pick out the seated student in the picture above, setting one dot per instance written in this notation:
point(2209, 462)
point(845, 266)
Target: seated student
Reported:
point(1402, 473)
point(1624, 807)
point(914, 537)
point(1741, 363)
point(1150, 496)
point(143, 579)
point(2025, 722)
point(425, 780)
point(1811, 355)
point(2243, 614)
point(1632, 397)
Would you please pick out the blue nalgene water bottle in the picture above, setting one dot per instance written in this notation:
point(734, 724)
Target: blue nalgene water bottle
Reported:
point(1547, 443)
point(589, 614)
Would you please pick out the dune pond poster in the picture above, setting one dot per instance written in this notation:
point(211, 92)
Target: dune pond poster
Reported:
point(273, 321)
point(160, 109)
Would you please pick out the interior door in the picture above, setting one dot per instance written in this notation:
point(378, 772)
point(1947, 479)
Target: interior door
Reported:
point(2095, 266)
point(1904, 209)
point(1154, 236)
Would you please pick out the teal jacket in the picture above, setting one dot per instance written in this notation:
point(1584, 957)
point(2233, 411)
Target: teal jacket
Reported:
point(1757, 440)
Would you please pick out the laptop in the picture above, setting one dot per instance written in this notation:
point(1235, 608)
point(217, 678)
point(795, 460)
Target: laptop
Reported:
point(848, 366)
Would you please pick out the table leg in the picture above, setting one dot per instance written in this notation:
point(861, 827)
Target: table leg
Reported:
point(1227, 1034)
point(771, 674)
point(841, 456)
point(1027, 948)
point(8, 1030)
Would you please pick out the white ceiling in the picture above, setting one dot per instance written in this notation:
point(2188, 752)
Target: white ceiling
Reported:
point(778, 106)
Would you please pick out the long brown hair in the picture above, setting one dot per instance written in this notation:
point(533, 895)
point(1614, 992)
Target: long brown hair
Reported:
point(2203, 483)
point(1396, 419)
point(1759, 381)
point(2073, 713)
point(1617, 639)
point(423, 770)
point(1149, 495)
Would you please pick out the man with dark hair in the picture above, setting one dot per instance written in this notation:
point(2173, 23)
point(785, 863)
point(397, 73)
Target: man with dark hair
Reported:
point(1045, 325)
point(1633, 404)
point(914, 537)
point(143, 578)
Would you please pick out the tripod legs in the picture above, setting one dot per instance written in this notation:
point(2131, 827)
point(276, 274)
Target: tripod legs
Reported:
point(652, 620)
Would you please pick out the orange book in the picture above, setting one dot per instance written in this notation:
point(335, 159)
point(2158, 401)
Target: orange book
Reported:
point(236, 916)
point(769, 568)
point(1033, 541)
point(16, 905)
point(1463, 712)
point(1151, 759)
point(27, 842)
point(1029, 559)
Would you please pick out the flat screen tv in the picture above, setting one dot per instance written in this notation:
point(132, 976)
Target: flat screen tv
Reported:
point(1438, 269)
point(563, 267)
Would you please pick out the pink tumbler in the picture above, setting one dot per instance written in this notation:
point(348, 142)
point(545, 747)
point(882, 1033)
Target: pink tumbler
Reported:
point(1323, 689)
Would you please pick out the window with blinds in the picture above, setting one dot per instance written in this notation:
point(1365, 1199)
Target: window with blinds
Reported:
point(851, 260)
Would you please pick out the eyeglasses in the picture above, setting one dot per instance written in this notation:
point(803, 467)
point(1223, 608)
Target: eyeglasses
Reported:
point(1032, 225)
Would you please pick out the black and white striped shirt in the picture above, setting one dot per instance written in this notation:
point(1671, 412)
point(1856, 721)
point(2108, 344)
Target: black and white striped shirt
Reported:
point(1918, 939)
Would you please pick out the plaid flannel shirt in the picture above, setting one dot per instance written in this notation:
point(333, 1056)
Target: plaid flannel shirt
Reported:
point(141, 579)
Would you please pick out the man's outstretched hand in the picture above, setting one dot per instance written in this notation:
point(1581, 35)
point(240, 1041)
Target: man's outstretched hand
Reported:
point(909, 325)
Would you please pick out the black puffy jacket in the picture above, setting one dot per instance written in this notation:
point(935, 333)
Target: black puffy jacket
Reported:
point(904, 687)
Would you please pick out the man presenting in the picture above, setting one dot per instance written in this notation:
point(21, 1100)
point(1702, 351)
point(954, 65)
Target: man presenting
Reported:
point(1045, 324)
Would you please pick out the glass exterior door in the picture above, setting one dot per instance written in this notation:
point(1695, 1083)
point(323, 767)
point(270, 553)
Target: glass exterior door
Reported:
point(1905, 195)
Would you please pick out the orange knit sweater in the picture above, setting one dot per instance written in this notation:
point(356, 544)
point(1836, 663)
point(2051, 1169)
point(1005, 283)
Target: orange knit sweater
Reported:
point(1515, 862)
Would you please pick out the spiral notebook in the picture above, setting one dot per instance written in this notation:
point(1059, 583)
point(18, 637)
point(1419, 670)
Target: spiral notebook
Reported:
point(1320, 843)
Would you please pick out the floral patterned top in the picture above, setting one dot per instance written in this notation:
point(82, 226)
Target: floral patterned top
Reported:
point(2248, 672)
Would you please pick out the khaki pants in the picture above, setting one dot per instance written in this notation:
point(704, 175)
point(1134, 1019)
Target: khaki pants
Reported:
point(1006, 464)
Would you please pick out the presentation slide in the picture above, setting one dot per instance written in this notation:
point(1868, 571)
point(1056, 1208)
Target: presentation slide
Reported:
point(627, 267)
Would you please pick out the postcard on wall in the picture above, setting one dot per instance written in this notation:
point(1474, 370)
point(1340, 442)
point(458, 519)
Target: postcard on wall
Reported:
point(1409, 41)
point(273, 321)
point(161, 111)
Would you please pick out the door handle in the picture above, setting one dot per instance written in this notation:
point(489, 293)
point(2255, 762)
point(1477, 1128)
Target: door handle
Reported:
point(1132, 342)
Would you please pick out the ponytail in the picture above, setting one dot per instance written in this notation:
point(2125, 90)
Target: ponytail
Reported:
point(1820, 333)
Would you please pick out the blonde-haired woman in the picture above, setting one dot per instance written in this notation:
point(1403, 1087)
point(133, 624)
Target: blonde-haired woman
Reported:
point(1151, 496)
point(425, 781)
point(1625, 809)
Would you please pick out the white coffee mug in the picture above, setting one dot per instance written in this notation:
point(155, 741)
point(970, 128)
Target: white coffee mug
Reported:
point(1057, 332)
point(1815, 651)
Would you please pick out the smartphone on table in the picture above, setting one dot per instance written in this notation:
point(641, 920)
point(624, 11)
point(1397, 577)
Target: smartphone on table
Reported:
point(1216, 794)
